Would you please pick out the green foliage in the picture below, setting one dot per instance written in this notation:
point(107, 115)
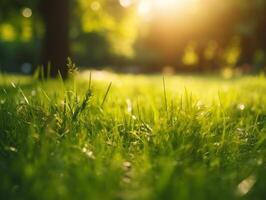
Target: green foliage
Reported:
point(12, 8)
point(108, 17)
point(103, 32)
point(151, 139)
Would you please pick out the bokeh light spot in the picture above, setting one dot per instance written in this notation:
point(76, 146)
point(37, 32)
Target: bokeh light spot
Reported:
point(95, 6)
point(125, 3)
point(7, 32)
point(26, 12)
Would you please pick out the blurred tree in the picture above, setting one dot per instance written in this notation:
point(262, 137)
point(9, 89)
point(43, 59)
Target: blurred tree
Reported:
point(212, 27)
point(109, 18)
point(251, 28)
point(56, 48)
point(55, 17)
point(104, 32)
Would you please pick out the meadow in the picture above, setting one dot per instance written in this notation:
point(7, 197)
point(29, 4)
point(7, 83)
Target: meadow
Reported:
point(107, 136)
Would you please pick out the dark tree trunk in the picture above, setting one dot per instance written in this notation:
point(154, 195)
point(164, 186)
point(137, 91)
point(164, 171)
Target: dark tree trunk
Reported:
point(261, 31)
point(248, 50)
point(56, 49)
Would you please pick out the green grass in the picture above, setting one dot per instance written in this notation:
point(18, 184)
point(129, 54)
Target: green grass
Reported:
point(188, 137)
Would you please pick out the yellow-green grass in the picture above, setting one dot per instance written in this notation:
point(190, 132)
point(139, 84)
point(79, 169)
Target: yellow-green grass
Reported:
point(140, 137)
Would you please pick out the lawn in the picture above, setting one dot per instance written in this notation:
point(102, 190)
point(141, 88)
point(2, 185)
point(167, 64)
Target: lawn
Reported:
point(136, 137)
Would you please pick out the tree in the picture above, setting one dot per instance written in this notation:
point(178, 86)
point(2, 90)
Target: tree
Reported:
point(55, 17)
point(56, 48)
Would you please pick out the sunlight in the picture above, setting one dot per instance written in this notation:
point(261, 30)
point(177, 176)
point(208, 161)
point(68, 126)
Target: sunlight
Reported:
point(146, 7)
point(125, 3)
point(169, 4)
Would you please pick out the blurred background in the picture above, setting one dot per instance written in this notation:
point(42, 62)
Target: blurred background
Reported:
point(134, 36)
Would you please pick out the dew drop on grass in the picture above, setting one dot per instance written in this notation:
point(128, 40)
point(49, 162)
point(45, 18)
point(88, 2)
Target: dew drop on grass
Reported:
point(134, 143)
point(110, 143)
point(126, 165)
point(129, 105)
point(245, 186)
point(12, 149)
point(13, 85)
point(33, 93)
point(134, 117)
point(217, 144)
point(241, 106)
point(88, 153)
point(200, 105)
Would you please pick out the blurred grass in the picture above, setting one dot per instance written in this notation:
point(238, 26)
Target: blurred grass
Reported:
point(199, 137)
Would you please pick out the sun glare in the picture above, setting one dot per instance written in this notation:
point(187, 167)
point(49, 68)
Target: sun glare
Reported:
point(170, 3)
point(153, 7)
point(144, 7)
point(125, 3)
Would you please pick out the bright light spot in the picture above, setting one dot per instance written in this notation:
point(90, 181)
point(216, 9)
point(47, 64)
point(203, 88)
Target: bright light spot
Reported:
point(227, 73)
point(147, 6)
point(33, 93)
point(125, 3)
point(190, 56)
point(7, 32)
point(26, 68)
point(241, 106)
point(13, 85)
point(133, 117)
point(217, 144)
point(129, 105)
point(171, 3)
point(200, 104)
point(26, 12)
point(126, 165)
point(144, 8)
point(95, 6)
point(245, 186)
point(13, 149)
point(88, 153)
